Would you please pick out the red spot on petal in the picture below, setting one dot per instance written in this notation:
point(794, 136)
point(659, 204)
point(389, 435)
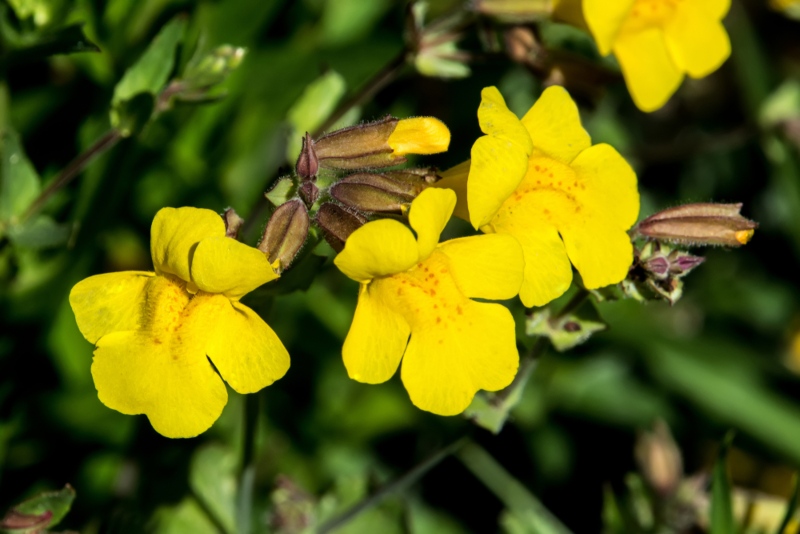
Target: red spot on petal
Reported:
point(438, 320)
point(459, 310)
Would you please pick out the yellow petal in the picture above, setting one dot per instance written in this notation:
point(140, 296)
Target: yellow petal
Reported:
point(444, 367)
point(455, 178)
point(548, 273)
point(243, 348)
point(174, 235)
point(377, 338)
point(224, 265)
point(600, 250)
point(698, 43)
point(108, 303)
point(428, 216)
point(650, 72)
point(486, 266)
point(499, 159)
point(610, 185)
point(378, 248)
point(420, 135)
point(178, 390)
point(604, 18)
point(554, 125)
point(716, 9)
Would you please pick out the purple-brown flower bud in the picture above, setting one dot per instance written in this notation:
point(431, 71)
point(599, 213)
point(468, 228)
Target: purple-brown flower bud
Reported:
point(285, 234)
point(309, 193)
point(232, 223)
point(307, 163)
point(660, 459)
point(699, 224)
point(337, 224)
point(381, 193)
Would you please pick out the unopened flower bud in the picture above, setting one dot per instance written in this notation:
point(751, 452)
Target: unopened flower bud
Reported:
point(383, 143)
point(515, 11)
point(382, 193)
point(285, 234)
point(337, 224)
point(660, 459)
point(682, 263)
point(699, 224)
point(307, 164)
point(309, 193)
point(232, 223)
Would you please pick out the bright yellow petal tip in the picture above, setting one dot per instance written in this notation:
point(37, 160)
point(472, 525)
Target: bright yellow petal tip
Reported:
point(419, 135)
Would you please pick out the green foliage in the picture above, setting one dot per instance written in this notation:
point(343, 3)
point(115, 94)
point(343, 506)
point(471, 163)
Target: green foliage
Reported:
point(721, 506)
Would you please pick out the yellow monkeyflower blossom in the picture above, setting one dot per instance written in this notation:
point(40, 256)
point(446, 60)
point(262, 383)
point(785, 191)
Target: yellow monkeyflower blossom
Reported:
point(423, 288)
point(156, 331)
point(658, 41)
point(541, 180)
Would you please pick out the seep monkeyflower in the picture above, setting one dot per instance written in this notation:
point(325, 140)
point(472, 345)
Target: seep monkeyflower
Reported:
point(541, 180)
point(658, 41)
point(156, 331)
point(423, 288)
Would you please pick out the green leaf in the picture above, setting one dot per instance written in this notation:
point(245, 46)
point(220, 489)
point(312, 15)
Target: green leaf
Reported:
point(68, 40)
point(567, 331)
point(530, 515)
point(39, 233)
point(188, 516)
point(149, 74)
point(45, 510)
point(315, 105)
point(213, 479)
point(43, 12)
point(721, 501)
point(19, 181)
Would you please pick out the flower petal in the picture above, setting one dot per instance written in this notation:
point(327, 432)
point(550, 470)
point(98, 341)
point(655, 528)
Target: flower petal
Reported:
point(446, 364)
point(243, 348)
point(174, 235)
point(419, 135)
point(110, 302)
point(554, 125)
point(378, 248)
point(455, 178)
point(604, 18)
point(486, 266)
point(224, 265)
point(610, 184)
point(716, 9)
point(698, 43)
point(178, 390)
point(499, 159)
point(377, 338)
point(428, 216)
point(650, 72)
point(548, 273)
point(600, 250)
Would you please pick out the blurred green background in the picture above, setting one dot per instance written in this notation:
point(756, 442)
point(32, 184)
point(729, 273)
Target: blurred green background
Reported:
point(716, 360)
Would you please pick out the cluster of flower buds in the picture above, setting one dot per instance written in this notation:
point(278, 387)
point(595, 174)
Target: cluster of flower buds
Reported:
point(342, 179)
point(658, 266)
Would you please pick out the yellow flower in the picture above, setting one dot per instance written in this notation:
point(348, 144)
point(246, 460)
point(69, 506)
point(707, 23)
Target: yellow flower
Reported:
point(541, 180)
point(658, 41)
point(423, 288)
point(155, 332)
point(419, 135)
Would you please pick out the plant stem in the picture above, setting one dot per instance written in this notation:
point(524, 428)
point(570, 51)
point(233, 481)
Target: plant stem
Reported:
point(398, 485)
point(572, 305)
point(73, 169)
point(247, 474)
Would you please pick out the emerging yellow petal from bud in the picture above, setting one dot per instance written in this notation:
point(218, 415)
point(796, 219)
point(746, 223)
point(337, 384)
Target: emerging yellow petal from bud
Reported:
point(419, 135)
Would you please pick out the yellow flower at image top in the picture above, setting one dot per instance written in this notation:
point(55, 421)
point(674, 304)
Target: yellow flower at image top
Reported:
point(541, 180)
point(657, 42)
point(156, 331)
point(421, 288)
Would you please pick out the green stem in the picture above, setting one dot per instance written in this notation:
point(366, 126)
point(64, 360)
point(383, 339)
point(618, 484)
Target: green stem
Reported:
point(572, 305)
point(247, 474)
point(393, 487)
point(73, 169)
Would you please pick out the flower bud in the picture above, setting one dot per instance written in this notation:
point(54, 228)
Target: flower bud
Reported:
point(307, 164)
point(337, 224)
point(382, 193)
point(434, 47)
point(382, 143)
point(309, 193)
point(515, 11)
point(699, 224)
point(660, 459)
point(285, 234)
point(232, 223)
